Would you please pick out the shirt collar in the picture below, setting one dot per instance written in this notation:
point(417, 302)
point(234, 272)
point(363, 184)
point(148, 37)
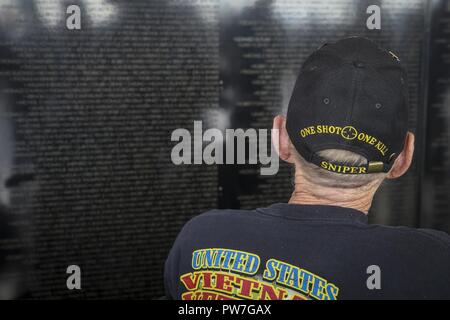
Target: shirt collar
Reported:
point(315, 212)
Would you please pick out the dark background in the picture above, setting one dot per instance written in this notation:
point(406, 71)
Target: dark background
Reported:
point(86, 118)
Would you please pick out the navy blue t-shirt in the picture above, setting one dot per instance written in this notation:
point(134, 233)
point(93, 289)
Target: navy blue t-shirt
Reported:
point(297, 252)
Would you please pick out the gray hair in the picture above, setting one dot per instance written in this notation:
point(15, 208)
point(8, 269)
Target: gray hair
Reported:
point(326, 178)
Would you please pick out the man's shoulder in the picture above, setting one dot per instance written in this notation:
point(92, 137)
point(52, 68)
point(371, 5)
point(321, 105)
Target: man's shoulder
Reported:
point(219, 216)
point(435, 235)
point(216, 223)
point(413, 235)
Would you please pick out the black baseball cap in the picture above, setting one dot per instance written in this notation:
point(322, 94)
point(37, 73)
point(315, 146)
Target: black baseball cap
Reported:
point(350, 95)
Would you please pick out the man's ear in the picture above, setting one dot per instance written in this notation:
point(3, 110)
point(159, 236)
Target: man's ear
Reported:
point(281, 140)
point(404, 159)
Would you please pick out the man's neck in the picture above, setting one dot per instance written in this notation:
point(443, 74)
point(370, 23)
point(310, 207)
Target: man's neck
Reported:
point(359, 199)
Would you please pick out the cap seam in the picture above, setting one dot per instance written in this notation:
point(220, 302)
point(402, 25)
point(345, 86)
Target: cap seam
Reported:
point(355, 87)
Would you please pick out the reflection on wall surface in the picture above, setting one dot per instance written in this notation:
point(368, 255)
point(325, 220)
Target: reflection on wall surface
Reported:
point(90, 114)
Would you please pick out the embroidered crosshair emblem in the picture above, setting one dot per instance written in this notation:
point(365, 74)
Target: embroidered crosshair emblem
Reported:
point(349, 132)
